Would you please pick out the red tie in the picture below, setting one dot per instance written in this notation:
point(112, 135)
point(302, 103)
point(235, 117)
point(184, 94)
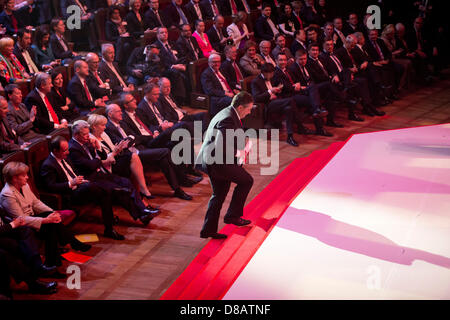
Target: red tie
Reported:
point(143, 125)
point(224, 81)
point(238, 72)
point(50, 109)
point(288, 75)
point(300, 21)
point(14, 23)
point(88, 94)
point(233, 6)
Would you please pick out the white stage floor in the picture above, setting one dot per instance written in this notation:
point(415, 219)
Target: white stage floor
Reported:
point(373, 224)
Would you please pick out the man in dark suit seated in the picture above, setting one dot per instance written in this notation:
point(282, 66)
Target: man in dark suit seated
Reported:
point(9, 140)
point(352, 25)
point(24, 53)
point(344, 56)
point(187, 46)
point(194, 11)
point(58, 44)
point(301, 97)
point(94, 79)
point(47, 117)
point(216, 86)
point(221, 172)
point(118, 129)
point(109, 72)
point(264, 91)
point(320, 74)
point(265, 28)
point(230, 69)
point(231, 7)
point(174, 12)
point(12, 20)
point(173, 113)
point(175, 70)
point(89, 161)
point(154, 18)
point(218, 35)
point(79, 92)
point(210, 8)
point(299, 41)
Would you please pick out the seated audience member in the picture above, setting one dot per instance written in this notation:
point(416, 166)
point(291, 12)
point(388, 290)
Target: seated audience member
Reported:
point(251, 61)
point(175, 12)
point(154, 18)
point(17, 200)
point(19, 118)
point(193, 11)
point(44, 56)
point(173, 113)
point(173, 68)
point(238, 30)
point(145, 65)
point(288, 23)
point(352, 25)
point(296, 12)
point(304, 99)
point(211, 8)
point(280, 40)
point(47, 118)
point(338, 33)
point(126, 163)
point(264, 91)
point(419, 45)
point(311, 14)
point(329, 33)
point(20, 259)
point(24, 53)
point(96, 85)
point(299, 41)
point(202, 38)
point(135, 21)
point(116, 32)
point(217, 34)
point(216, 86)
point(109, 71)
point(62, 104)
point(266, 52)
point(9, 140)
point(231, 70)
point(79, 92)
point(117, 129)
point(398, 55)
point(12, 19)
point(187, 46)
point(58, 44)
point(11, 70)
point(312, 36)
point(265, 28)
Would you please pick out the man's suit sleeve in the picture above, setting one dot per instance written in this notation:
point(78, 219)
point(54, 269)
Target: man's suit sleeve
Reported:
point(49, 178)
point(74, 91)
point(82, 162)
point(208, 85)
point(258, 94)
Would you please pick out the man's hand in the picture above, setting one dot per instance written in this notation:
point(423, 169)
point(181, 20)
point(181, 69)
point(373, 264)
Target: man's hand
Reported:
point(76, 181)
point(335, 79)
point(297, 86)
point(229, 94)
point(33, 113)
point(364, 65)
point(24, 145)
point(166, 124)
point(52, 218)
point(180, 67)
point(137, 73)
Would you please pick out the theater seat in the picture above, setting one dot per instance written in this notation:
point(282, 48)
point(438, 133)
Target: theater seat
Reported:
point(100, 22)
point(198, 98)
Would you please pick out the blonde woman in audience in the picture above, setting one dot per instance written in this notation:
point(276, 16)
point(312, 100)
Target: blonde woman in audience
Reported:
point(11, 70)
point(238, 30)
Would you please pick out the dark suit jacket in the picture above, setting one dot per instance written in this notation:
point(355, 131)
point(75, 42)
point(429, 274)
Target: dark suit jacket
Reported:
point(329, 64)
point(373, 54)
point(58, 50)
point(214, 38)
point(191, 14)
point(344, 57)
point(6, 20)
point(18, 53)
point(280, 77)
point(106, 73)
point(6, 146)
point(297, 75)
point(172, 14)
point(225, 7)
point(205, 6)
point(151, 21)
point(77, 94)
point(225, 119)
point(147, 116)
point(111, 31)
point(315, 71)
point(229, 73)
point(53, 178)
point(347, 29)
point(82, 164)
point(141, 141)
point(185, 52)
point(263, 30)
point(113, 133)
point(259, 90)
point(43, 122)
point(211, 85)
point(134, 27)
point(166, 58)
point(166, 109)
point(360, 55)
point(136, 57)
point(94, 86)
point(296, 45)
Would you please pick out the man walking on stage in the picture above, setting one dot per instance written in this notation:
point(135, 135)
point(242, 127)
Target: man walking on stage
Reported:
point(212, 159)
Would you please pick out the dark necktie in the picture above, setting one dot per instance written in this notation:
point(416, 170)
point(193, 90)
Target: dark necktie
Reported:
point(380, 54)
point(69, 172)
point(337, 62)
point(193, 49)
point(170, 52)
point(238, 72)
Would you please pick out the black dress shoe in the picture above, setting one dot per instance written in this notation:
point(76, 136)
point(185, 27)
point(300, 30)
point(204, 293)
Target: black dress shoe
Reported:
point(323, 132)
point(80, 246)
point(292, 141)
point(151, 210)
point(179, 193)
point(214, 235)
point(56, 275)
point(189, 182)
point(146, 218)
point(331, 123)
point(354, 117)
point(45, 271)
point(237, 221)
point(146, 196)
point(113, 234)
point(40, 287)
point(304, 130)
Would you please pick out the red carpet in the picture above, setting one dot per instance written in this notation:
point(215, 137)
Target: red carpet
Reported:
point(216, 267)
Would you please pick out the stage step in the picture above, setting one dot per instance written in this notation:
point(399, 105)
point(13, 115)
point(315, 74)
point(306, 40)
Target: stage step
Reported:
point(216, 267)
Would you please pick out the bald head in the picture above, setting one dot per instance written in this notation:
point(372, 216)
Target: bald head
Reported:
point(92, 61)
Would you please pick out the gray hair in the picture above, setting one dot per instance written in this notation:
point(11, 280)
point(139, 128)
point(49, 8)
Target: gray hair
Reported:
point(264, 42)
point(110, 107)
point(106, 46)
point(351, 38)
point(96, 119)
point(358, 35)
point(78, 126)
point(399, 26)
point(213, 55)
point(41, 78)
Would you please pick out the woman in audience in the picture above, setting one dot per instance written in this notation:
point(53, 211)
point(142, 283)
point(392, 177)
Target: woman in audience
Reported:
point(59, 98)
point(398, 55)
point(288, 22)
point(19, 118)
point(238, 30)
point(135, 22)
point(202, 38)
point(18, 200)
point(251, 61)
point(43, 52)
point(11, 70)
point(127, 163)
point(116, 32)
